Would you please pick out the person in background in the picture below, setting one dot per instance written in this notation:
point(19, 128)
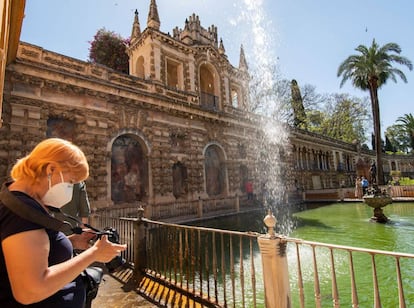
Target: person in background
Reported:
point(249, 190)
point(37, 266)
point(358, 188)
point(79, 207)
point(364, 184)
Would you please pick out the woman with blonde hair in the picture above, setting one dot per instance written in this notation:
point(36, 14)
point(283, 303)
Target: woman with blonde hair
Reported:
point(37, 266)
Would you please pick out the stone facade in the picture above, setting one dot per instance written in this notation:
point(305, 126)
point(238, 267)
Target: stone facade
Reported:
point(321, 162)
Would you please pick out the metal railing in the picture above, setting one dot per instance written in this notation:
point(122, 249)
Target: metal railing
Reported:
point(220, 268)
point(209, 101)
point(355, 290)
point(205, 264)
point(180, 209)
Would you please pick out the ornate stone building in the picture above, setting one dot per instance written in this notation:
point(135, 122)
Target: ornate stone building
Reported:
point(174, 130)
point(320, 162)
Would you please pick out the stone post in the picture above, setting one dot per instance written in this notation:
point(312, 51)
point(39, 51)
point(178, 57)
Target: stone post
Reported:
point(140, 255)
point(200, 207)
point(275, 267)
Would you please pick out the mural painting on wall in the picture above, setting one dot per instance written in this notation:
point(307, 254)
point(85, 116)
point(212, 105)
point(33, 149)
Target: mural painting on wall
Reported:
point(128, 170)
point(61, 128)
point(214, 170)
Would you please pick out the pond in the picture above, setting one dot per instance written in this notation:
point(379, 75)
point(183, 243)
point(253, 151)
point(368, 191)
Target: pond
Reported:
point(345, 224)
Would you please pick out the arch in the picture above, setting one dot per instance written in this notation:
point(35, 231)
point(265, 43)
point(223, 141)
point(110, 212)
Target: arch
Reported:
point(235, 99)
point(209, 82)
point(215, 170)
point(140, 67)
point(129, 171)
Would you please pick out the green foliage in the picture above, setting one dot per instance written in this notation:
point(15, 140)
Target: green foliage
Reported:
point(342, 118)
point(389, 146)
point(109, 49)
point(373, 63)
point(406, 126)
point(406, 181)
point(402, 182)
point(299, 116)
point(397, 138)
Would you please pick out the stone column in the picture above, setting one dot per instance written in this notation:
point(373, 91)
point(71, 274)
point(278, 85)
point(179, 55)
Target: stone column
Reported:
point(237, 200)
point(140, 253)
point(200, 207)
point(275, 267)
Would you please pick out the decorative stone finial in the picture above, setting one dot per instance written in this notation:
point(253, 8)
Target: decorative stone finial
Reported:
point(222, 50)
point(153, 20)
point(242, 62)
point(270, 222)
point(136, 29)
point(140, 212)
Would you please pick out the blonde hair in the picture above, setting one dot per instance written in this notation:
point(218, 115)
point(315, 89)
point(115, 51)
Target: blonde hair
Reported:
point(63, 153)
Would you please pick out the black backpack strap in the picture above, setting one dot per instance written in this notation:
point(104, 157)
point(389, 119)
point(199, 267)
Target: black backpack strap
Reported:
point(15, 205)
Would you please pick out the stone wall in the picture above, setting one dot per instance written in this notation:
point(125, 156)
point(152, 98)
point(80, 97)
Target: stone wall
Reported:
point(104, 105)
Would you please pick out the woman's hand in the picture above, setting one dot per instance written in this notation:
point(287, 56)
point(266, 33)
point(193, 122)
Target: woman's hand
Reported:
point(105, 250)
point(82, 241)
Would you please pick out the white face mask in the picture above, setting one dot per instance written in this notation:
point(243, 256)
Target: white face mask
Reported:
point(58, 195)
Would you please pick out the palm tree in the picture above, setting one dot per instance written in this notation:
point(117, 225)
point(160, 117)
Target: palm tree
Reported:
point(369, 70)
point(407, 127)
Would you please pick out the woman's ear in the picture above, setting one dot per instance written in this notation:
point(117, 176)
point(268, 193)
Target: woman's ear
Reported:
point(50, 168)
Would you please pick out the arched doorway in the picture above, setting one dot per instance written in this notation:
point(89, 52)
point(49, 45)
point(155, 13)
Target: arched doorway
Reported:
point(215, 171)
point(129, 170)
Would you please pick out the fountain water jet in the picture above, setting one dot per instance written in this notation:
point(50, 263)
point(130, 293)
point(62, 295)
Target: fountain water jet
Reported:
point(271, 144)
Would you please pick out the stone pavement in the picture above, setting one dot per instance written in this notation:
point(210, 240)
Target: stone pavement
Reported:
point(118, 290)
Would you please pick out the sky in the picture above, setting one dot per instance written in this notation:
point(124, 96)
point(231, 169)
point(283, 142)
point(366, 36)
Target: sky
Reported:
point(307, 40)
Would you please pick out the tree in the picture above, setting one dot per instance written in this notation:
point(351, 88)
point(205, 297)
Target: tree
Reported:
point(343, 118)
point(109, 49)
point(407, 128)
point(399, 141)
point(299, 115)
point(272, 96)
point(369, 70)
point(389, 146)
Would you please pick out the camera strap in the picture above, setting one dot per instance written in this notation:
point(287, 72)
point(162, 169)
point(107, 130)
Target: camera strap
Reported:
point(15, 205)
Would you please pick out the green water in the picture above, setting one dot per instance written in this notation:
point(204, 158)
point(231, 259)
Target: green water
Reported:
point(343, 224)
point(349, 224)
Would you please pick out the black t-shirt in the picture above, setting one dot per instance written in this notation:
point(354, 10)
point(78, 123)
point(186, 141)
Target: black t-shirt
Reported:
point(73, 294)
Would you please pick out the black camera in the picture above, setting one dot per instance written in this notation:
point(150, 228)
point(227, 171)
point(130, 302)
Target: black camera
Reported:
point(113, 236)
point(112, 233)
